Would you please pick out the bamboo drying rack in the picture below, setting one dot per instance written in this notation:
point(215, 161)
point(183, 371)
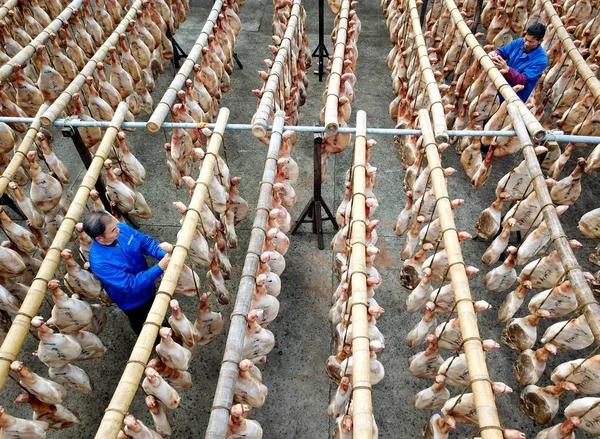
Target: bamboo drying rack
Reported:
point(7, 7)
point(337, 65)
point(585, 297)
point(21, 152)
point(28, 51)
point(533, 126)
point(266, 105)
point(123, 396)
point(20, 327)
point(435, 99)
point(63, 100)
point(362, 412)
point(487, 413)
point(219, 414)
point(163, 109)
point(582, 67)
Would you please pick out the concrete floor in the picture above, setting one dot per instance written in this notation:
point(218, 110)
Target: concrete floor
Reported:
point(299, 390)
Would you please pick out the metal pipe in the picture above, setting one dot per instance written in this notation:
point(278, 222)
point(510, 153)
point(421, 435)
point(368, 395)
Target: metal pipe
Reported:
point(581, 288)
point(164, 106)
point(219, 414)
point(144, 346)
point(35, 295)
point(487, 413)
point(309, 129)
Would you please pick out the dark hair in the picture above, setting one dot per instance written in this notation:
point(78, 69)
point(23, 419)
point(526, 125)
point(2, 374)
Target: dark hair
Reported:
point(95, 223)
point(537, 30)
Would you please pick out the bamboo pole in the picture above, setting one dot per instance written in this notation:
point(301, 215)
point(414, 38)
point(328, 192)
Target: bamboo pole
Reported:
point(487, 413)
point(163, 109)
point(7, 7)
point(21, 152)
point(144, 346)
point(533, 126)
point(20, 327)
point(582, 67)
point(362, 414)
point(585, 297)
point(337, 65)
point(219, 412)
point(63, 100)
point(28, 51)
point(433, 92)
point(260, 120)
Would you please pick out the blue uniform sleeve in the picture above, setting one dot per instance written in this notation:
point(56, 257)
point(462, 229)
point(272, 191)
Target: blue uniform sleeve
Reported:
point(534, 70)
point(149, 246)
point(111, 273)
point(505, 51)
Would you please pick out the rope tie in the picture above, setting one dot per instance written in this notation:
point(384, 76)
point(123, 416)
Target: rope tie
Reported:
point(148, 322)
point(486, 427)
point(239, 313)
point(111, 409)
point(20, 313)
point(138, 362)
point(164, 293)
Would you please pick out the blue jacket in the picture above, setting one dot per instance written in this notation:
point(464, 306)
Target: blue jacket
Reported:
point(122, 267)
point(531, 64)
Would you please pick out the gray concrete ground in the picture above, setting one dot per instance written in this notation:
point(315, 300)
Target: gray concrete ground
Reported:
point(299, 390)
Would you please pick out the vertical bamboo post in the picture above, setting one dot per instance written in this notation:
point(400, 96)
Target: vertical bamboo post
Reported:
point(20, 327)
point(582, 67)
point(582, 290)
point(433, 92)
point(144, 346)
point(260, 120)
point(7, 7)
point(487, 413)
point(533, 125)
point(337, 65)
point(362, 414)
point(163, 108)
point(63, 100)
point(219, 412)
point(21, 152)
point(29, 50)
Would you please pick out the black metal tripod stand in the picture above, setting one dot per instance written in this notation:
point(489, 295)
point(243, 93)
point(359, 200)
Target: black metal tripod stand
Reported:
point(321, 50)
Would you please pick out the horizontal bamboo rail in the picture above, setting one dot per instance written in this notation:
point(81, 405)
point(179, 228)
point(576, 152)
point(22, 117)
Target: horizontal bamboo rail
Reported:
point(266, 105)
point(582, 67)
point(337, 65)
point(128, 384)
point(436, 107)
point(163, 109)
point(63, 100)
point(20, 327)
point(533, 126)
point(582, 290)
point(362, 412)
point(219, 412)
point(28, 51)
point(7, 7)
point(21, 152)
point(487, 413)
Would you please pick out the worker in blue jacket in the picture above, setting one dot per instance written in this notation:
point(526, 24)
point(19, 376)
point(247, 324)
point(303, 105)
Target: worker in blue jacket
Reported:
point(523, 61)
point(117, 258)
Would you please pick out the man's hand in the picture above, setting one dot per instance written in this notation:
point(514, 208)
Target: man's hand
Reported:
point(164, 262)
point(166, 247)
point(501, 64)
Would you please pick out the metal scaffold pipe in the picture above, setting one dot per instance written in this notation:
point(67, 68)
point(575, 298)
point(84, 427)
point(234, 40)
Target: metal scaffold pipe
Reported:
point(20, 327)
point(582, 290)
point(487, 413)
point(362, 412)
point(436, 107)
point(337, 65)
point(28, 51)
point(21, 152)
point(537, 131)
point(128, 384)
point(570, 49)
point(219, 414)
point(260, 120)
point(163, 108)
point(63, 100)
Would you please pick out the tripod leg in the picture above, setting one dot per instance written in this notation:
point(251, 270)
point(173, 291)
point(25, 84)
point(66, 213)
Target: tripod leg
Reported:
point(237, 61)
point(330, 217)
point(303, 215)
point(318, 225)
